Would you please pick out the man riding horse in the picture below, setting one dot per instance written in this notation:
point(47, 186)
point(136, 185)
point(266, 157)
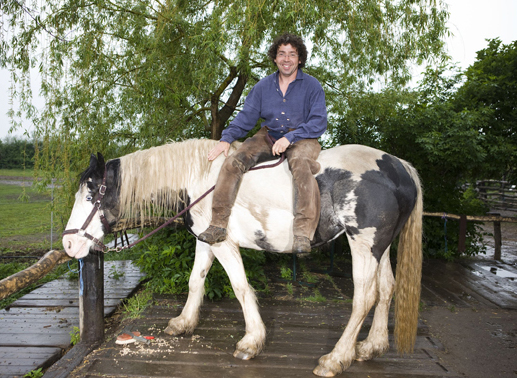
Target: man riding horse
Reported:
point(292, 104)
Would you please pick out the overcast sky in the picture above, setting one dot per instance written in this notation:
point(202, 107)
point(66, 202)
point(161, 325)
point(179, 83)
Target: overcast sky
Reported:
point(471, 22)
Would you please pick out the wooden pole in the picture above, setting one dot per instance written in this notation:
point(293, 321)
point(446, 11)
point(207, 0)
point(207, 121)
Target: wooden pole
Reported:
point(497, 240)
point(91, 298)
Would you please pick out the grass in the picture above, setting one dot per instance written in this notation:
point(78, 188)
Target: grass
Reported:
point(17, 172)
point(26, 216)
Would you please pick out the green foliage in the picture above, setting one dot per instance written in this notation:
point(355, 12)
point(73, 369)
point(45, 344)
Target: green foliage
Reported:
point(34, 374)
point(75, 335)
point(168, 260)
point(489, 91)
point(16, 153)
point(135, 306)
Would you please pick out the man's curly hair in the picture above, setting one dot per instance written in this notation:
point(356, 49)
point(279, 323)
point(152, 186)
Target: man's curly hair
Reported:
point(289, 39)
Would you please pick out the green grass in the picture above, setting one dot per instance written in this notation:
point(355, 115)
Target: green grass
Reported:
point(17, 172)
point(25, 220)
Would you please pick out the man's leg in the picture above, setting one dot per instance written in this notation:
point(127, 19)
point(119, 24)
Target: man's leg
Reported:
point(303, 165)
point(254, 150)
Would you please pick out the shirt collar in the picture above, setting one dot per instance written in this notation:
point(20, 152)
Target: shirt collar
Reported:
point(299, 75)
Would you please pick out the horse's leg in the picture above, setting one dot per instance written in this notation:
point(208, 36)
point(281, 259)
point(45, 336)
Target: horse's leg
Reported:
point(253, 341)
point(364, 267)
point(376, 344)
point(188, 319)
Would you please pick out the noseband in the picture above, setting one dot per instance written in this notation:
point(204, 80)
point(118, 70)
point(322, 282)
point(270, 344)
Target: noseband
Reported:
point(100, 246)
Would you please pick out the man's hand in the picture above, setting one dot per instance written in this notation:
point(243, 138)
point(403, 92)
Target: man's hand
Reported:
point(280, 146)
point(216, 151)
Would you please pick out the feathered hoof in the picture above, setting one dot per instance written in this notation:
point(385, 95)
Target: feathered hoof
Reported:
point(328, 367)
point(365, 351)
point(321, 371)
point(174, 328)
point(172, 331)
point(242, 355)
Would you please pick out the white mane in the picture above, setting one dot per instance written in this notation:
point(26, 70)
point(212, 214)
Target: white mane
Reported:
point(151, 180)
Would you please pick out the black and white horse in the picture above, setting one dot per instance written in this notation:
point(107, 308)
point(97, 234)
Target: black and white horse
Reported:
point(366, 193)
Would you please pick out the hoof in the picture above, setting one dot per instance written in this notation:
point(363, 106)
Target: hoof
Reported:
point(242, 355)
point(173, 331)
point(320, 371)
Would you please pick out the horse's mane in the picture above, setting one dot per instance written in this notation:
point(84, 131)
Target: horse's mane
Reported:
point(151, 180)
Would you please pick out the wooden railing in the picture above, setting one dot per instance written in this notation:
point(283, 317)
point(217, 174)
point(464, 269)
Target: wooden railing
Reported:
point(499, 195)
point(495, 218)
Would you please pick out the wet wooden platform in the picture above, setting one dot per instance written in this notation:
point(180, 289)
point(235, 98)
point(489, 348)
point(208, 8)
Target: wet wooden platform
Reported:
point(470, 283)
point(298, 334)
point(35, 329)
point(299, 330)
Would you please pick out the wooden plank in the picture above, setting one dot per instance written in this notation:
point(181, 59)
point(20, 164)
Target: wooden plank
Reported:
point(58, 302)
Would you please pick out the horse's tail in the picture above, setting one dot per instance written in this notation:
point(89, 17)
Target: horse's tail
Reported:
point(409, 273)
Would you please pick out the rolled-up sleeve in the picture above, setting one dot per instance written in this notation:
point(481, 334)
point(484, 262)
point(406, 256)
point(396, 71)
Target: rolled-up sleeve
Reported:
point(246, 119)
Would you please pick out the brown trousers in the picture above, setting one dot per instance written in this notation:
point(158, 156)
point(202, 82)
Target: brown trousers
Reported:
point(301, 158)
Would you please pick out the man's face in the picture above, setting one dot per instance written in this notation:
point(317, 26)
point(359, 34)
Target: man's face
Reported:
point(287, 60)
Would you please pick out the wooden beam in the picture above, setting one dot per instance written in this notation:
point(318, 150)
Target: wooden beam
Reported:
point(479, 218)
point(32, 274)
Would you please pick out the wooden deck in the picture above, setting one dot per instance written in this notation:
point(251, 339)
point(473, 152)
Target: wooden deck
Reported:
point(35, 330)
point(298, 334)
point(300, 329)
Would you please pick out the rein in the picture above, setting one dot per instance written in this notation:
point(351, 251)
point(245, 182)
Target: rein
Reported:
point(100, 246)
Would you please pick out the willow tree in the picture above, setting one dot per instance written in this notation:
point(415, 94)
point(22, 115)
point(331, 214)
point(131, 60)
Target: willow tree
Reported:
point(120, 75)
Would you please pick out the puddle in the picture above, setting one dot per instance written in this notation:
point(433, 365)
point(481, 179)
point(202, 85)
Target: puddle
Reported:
point(500, 272)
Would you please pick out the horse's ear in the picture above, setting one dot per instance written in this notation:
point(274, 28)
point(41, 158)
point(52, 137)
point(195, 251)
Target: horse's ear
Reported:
point(100, 159)
point(93, 161)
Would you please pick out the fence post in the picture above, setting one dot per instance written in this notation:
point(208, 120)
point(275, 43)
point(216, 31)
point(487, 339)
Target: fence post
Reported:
point(91, 298)
point(462, 234)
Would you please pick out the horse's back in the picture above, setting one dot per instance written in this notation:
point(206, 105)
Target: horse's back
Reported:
point(361, 188)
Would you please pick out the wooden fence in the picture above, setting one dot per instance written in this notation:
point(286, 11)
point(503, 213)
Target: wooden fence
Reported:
point(495, 218)
point(498, 195)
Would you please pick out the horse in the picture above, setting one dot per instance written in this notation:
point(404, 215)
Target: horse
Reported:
point(368, 194)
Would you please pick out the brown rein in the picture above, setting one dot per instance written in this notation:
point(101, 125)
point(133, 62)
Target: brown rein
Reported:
point(102, 191)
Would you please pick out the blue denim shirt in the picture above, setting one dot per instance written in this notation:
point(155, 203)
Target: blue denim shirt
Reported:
point(302, 108)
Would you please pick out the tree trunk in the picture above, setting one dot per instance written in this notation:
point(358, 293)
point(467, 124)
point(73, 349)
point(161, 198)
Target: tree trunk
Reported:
point(220, 117)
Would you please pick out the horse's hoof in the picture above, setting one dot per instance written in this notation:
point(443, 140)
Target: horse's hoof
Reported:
point(172, 331)
point(320, 371)
point(242, 355)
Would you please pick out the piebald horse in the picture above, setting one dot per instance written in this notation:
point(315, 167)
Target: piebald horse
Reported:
point(366, 193)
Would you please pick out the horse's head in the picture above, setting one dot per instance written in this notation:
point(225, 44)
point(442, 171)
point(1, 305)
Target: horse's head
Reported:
point(80, 235)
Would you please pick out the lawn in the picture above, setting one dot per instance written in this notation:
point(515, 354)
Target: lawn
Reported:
point(25, 216)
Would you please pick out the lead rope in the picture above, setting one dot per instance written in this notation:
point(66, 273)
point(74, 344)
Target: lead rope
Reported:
point(119, 249)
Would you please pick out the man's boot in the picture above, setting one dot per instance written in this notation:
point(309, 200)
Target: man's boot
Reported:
point(213, 235)
point(301, 244)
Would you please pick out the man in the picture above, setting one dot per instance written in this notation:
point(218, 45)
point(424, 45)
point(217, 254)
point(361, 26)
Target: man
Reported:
point(292, 105)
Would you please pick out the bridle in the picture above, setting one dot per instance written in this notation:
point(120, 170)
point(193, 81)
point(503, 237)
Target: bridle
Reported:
point(100, 246)
point(96, 207)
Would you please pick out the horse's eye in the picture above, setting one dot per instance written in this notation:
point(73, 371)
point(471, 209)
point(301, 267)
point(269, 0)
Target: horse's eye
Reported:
point(89, 197)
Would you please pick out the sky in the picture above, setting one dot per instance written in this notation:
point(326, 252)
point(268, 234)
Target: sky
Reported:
point(471, 23)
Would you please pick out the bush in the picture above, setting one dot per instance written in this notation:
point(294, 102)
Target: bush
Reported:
point(168, 258)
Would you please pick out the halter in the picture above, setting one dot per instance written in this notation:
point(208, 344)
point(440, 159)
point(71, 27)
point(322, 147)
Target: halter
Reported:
point(100, 246)
point(96, 207)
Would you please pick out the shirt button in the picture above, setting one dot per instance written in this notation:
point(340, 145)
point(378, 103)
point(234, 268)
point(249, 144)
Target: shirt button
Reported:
point(288, 119)
point(283, 113)
point(282, 126)
point(285, 100)
point(276, 119)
